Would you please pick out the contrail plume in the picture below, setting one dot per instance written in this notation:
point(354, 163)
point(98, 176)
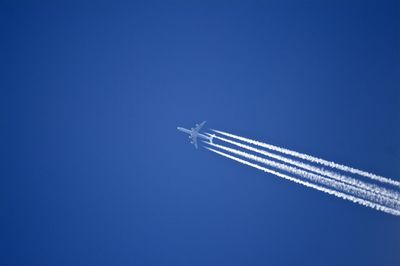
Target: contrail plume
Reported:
point(311, 185)
point(351, 181)
point(313, 159)
point(315, 178)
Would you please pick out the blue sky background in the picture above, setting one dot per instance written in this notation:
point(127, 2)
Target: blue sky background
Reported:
point(95, 172)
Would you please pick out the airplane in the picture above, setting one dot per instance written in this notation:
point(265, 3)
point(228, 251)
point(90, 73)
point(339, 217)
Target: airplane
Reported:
point(194, 133)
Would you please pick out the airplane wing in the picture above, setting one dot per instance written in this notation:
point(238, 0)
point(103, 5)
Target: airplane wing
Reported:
point(198, 127)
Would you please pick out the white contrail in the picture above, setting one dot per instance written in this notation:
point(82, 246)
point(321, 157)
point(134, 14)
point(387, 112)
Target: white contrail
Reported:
point(315, 178)
point(352, 181)
point(314, 159)
point(311, 185)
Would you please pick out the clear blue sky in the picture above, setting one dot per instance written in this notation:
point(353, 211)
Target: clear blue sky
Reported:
point(95, 172)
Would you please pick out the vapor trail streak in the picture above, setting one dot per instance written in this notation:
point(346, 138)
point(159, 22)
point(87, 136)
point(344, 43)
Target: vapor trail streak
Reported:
point(311, 185)
point(313, 159)
point(352, 181)
point(315, 178)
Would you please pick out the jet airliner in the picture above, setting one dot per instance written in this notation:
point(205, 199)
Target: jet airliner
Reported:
point(194, 133)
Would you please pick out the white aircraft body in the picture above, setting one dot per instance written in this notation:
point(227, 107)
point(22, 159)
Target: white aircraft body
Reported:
point(194, 133)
